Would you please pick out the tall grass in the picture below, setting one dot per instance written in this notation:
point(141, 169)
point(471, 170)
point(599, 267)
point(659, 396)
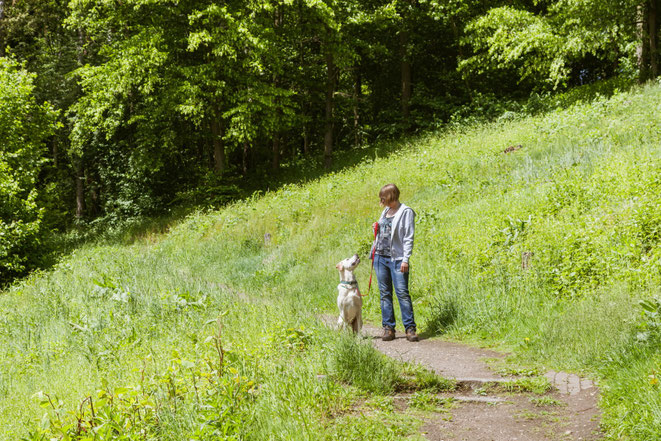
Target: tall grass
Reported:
point(581, 195)
point(363, 366)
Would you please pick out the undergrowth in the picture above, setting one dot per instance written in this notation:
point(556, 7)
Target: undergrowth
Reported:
point(546, 251)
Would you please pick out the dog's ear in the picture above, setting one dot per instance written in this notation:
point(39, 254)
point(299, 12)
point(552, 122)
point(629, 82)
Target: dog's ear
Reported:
point(339, 266)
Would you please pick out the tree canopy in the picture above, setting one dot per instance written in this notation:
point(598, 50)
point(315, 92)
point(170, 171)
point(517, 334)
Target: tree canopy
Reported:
point(24, 127)
point(163, 101)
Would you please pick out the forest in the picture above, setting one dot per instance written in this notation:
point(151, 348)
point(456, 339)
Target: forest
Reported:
point(116, 110)
point(179, 178)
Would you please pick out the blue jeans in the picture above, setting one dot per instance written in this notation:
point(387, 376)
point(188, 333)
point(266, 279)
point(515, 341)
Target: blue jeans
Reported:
point(388, 274)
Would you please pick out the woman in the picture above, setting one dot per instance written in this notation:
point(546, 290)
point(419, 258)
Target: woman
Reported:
point(391, 250)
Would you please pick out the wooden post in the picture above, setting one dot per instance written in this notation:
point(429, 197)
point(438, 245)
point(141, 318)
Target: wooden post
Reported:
point(526, 260)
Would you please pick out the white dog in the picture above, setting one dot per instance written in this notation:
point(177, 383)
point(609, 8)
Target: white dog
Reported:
point(349, 300)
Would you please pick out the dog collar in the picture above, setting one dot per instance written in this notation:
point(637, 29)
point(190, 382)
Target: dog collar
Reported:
point(355, 282)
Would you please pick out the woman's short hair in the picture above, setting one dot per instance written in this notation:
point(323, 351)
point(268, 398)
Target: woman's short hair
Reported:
point(389, 193)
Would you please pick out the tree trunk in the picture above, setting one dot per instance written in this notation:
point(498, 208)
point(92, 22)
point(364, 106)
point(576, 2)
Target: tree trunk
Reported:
point(643, 50)
point(278, 16)
point(305, 93)
point(406, 75)
point(253, 155)
point(2, 26)
point(202, 148)
point(55, 153)
point(244, 159)
point(330, 91)
point(275, 163)
point(80, 190)
point(460, 52)
point(278, 19)
point(357, 86)
point(306, 141)
point(78, 163)
point(93, 207)
point(653, 30)
point(80, 47)
point(218, 145)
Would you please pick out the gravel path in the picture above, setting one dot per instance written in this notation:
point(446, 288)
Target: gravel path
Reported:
point(568, 412)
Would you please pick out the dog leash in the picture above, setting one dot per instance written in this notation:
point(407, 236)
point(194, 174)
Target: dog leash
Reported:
point(375, 227)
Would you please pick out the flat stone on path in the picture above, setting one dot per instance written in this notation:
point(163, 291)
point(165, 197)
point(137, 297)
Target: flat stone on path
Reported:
point(568, 383)
point(480, 399)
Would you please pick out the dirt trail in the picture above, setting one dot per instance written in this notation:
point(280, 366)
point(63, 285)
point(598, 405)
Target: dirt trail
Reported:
point(568, 412)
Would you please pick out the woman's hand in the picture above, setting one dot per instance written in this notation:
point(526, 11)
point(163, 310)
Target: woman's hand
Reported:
point(405, 267)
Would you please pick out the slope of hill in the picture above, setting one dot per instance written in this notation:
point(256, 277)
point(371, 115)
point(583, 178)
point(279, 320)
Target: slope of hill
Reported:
point(544, 250)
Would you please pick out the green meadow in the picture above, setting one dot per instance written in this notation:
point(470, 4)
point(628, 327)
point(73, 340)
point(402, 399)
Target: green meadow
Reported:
point(207, 331)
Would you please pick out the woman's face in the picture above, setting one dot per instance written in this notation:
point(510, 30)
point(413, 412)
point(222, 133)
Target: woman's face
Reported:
point(392, 204)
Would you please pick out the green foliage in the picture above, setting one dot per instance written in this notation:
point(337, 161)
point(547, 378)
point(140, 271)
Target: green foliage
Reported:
point(24, 127)
point(215, 191)
point(513, 370)
point(219, 401)
point(624, 414)
point(166, 103)
point(417, 377)
point(536, 385)
point(442, 313)
point(507, 36)
point(545, 401)
point(387, 427)
point(582, 185)
point(295, 339)
point(383, 403)
point(651, 320)
point(363, 366)
point(428, 401)
point(546, 43)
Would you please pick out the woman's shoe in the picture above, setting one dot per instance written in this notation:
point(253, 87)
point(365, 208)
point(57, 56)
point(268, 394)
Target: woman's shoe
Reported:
point(411, 335)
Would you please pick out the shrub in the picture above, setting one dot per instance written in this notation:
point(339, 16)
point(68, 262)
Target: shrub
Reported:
point(24, 127)
point(650, 327)
point(213, 401)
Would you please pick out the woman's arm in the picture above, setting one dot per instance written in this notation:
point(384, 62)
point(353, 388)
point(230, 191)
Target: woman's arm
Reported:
point(408, 220)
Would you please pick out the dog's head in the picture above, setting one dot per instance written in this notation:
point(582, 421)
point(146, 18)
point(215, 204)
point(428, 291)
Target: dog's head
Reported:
point(348, 264)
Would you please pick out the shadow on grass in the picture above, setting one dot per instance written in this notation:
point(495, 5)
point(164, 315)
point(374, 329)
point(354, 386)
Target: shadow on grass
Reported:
point(297, 170)
point(442, 314)
point(114, 230)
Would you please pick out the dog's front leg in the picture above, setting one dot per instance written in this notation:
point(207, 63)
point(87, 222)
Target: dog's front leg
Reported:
point(340, 322)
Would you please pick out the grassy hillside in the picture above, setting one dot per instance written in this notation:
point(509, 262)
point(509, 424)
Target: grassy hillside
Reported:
point(137, 328)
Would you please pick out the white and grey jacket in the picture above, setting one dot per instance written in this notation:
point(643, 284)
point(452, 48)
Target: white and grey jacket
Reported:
point(401, 239)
